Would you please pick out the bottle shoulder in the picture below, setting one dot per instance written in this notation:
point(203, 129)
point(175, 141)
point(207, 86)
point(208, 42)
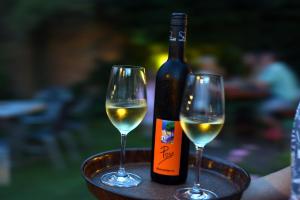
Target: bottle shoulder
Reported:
point(173, 67)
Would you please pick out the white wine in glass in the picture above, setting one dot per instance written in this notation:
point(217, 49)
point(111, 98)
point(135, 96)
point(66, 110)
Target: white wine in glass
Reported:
point(126, 106)
point(201, 130)
point(126, 116)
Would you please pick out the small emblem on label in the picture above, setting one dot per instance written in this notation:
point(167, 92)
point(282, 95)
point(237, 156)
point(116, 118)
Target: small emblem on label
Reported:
point(167, 135)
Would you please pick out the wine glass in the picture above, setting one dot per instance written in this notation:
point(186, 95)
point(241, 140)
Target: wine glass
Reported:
point(126, 106)
point(202, 118)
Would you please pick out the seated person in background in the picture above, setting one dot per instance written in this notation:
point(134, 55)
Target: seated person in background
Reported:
point(278, 79)
point(281, 83)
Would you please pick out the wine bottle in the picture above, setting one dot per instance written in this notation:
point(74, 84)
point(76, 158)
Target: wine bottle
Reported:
point(170, 146)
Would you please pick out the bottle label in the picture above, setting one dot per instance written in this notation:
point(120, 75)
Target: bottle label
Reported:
point(167, 149)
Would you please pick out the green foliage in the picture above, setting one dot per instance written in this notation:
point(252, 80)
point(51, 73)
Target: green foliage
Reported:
point(224, 29)
point(26, 15)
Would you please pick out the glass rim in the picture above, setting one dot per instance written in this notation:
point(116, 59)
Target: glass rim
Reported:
point(205, 74)
point(128, 66)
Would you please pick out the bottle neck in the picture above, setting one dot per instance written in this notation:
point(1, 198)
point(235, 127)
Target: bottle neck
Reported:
point(177, 42)
point(176, 51)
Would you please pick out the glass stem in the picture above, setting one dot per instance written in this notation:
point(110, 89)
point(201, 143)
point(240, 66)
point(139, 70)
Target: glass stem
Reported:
point(198, 159)
point(121, 171)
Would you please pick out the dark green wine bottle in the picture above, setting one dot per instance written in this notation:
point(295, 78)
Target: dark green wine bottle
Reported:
point(170, 146)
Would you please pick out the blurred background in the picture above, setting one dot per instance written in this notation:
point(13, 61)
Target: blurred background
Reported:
point(55, 60)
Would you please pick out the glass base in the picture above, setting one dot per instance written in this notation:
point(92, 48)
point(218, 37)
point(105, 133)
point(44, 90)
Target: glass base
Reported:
point(189, 194)
point(113, 179)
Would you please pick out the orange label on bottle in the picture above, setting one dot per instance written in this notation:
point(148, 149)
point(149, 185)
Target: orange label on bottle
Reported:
point(167, 149)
